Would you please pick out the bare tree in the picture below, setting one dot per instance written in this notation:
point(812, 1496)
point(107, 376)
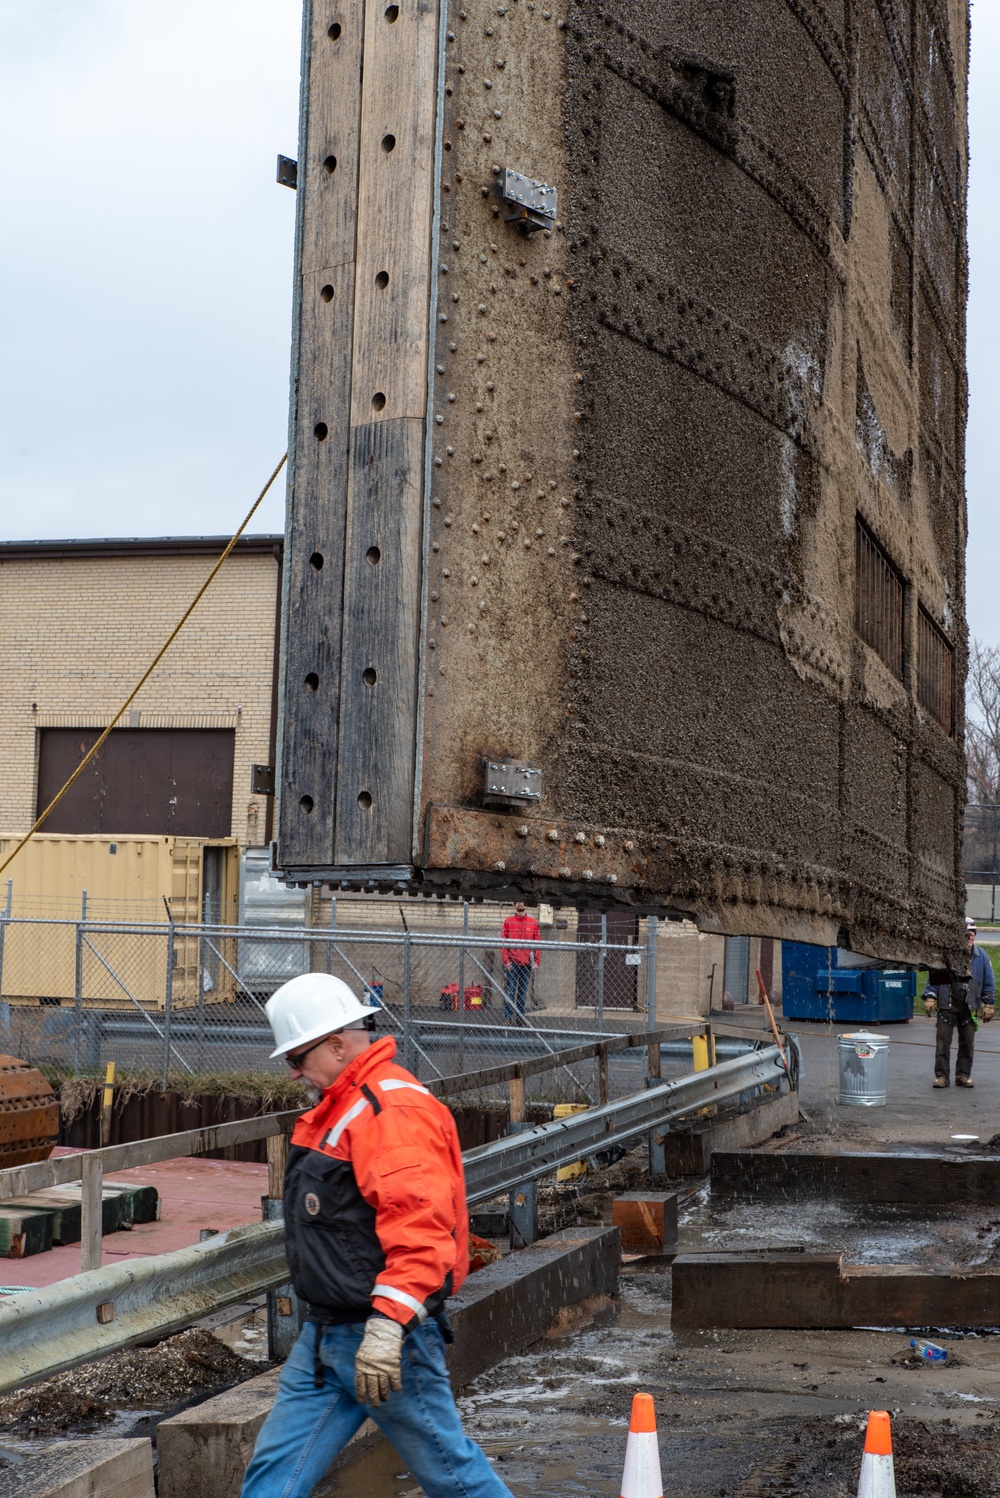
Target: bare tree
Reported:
point(982, 728)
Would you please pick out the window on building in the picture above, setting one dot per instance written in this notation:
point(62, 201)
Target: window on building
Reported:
point(878, 600)
point(935, 671)
point(143, 781)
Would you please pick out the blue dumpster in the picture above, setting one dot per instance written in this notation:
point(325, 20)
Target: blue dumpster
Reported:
point(815, 985)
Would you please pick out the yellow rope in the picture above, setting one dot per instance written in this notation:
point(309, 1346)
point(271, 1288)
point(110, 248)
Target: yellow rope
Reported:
point(146, 674)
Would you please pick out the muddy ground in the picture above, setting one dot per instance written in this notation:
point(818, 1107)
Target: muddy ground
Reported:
point(739, 1413)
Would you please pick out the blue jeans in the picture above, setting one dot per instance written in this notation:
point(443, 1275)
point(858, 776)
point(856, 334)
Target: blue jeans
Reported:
point(308, 1427)
point(518, 977)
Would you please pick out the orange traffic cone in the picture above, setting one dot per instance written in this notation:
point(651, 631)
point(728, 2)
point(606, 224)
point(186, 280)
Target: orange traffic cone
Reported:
point(641, 1478)
point(877, 1477)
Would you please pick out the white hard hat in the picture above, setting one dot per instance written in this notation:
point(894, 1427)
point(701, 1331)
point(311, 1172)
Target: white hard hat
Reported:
point(309, 1007)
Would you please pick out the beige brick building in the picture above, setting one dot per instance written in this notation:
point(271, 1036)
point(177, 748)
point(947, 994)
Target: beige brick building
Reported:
point(81, 621)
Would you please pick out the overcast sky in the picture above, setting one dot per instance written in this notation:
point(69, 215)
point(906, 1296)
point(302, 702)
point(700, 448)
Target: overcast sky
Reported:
point(146, 261)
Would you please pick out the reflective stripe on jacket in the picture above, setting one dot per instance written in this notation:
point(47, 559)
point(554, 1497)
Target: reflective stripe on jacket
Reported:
point(375, 1212)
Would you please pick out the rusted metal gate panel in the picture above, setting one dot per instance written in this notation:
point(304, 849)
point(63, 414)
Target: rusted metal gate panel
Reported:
point(155, 781)
point(590, 401)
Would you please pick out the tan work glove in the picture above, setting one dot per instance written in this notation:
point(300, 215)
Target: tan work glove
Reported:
point(987, 1012)
point(930, 1005)
point(377, 1364)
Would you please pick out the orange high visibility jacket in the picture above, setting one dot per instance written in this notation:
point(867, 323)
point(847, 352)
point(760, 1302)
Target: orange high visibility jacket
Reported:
point(375, 1212)
point(520, 928)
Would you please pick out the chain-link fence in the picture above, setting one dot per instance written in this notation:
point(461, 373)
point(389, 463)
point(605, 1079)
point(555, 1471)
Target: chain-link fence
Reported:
point(981, 852)
point(182, 999)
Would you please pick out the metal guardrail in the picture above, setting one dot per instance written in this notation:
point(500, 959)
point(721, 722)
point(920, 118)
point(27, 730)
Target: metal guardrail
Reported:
point(492, 1169)
point(43, 1332)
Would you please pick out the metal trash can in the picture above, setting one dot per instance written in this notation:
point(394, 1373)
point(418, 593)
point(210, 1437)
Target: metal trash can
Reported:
point(863, 1061)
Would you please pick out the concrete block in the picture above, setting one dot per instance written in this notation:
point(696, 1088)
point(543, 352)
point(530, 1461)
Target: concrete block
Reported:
point(203, 1452)
point(505, 1307)
point(647, 1221)
point(689, 1148)
point(83, 1469)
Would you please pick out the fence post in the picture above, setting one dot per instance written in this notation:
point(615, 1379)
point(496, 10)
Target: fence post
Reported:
point(409, 1048)
point(92, 1211)
point(600, 970)
point(654, 1063)
point(4, 918)
point(461, 988)
point(168, 994)
point(78, 985)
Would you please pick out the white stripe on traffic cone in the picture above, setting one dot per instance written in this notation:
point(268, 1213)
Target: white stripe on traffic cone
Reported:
point(877, 1477)
point(641, 1478)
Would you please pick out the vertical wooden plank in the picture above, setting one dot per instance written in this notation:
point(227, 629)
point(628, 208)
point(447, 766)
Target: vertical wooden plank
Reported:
point(517, 1103)
point(378, 685)
point(277, 1156)
point(333, 48)
point(602, 1074)
point(92, 1182)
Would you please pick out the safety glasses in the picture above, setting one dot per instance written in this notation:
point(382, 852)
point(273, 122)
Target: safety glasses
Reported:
point(296, 1059)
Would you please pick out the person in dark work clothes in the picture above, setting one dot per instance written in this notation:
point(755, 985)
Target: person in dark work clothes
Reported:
point(956, 1001)
point(518, 960)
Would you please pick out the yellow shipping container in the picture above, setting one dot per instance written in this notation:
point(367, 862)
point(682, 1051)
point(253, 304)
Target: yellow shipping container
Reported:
point(128, 881)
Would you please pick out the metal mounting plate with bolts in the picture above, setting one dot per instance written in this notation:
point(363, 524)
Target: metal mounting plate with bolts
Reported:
point(511, 784)
point(529, 204)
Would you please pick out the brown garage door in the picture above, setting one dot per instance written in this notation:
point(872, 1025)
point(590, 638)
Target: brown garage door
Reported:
point(154, 781)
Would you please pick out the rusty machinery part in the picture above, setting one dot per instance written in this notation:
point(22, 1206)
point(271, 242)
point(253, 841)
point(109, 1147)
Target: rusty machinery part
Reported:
point(29, 1114)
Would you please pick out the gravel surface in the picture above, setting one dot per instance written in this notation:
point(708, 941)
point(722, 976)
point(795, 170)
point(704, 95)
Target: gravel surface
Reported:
point(141, 1378)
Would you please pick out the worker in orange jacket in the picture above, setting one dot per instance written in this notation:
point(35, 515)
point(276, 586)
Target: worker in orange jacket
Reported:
point(518, 958)
point(377, 1235)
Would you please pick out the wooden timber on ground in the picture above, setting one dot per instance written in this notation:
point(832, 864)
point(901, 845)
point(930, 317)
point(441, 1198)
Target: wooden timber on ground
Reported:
point(929, 1179)
point(753, 1290)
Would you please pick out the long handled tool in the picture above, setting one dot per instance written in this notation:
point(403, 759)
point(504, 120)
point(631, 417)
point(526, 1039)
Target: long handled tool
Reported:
point(774, 1029)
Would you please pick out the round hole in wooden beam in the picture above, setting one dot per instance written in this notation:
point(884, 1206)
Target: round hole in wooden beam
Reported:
point(334, 32)
point(382, 280)
point(365, 800)
point(392, 13)
point(312, 681)
point(369, 676)
point(321, 431)
point(388, 143)
point(316, 561)
point(306, 804)
point(327, 293)
point(330, 165)
point(373, 556)
point(378, 401)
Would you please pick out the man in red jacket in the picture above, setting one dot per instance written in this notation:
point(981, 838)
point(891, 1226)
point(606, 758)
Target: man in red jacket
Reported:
point(518, 959)
point(377, 1235)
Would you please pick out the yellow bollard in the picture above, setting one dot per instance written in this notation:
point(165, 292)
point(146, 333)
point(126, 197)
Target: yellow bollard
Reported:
point(109, 1096)
point(703, 1050)
point(578, 1167)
